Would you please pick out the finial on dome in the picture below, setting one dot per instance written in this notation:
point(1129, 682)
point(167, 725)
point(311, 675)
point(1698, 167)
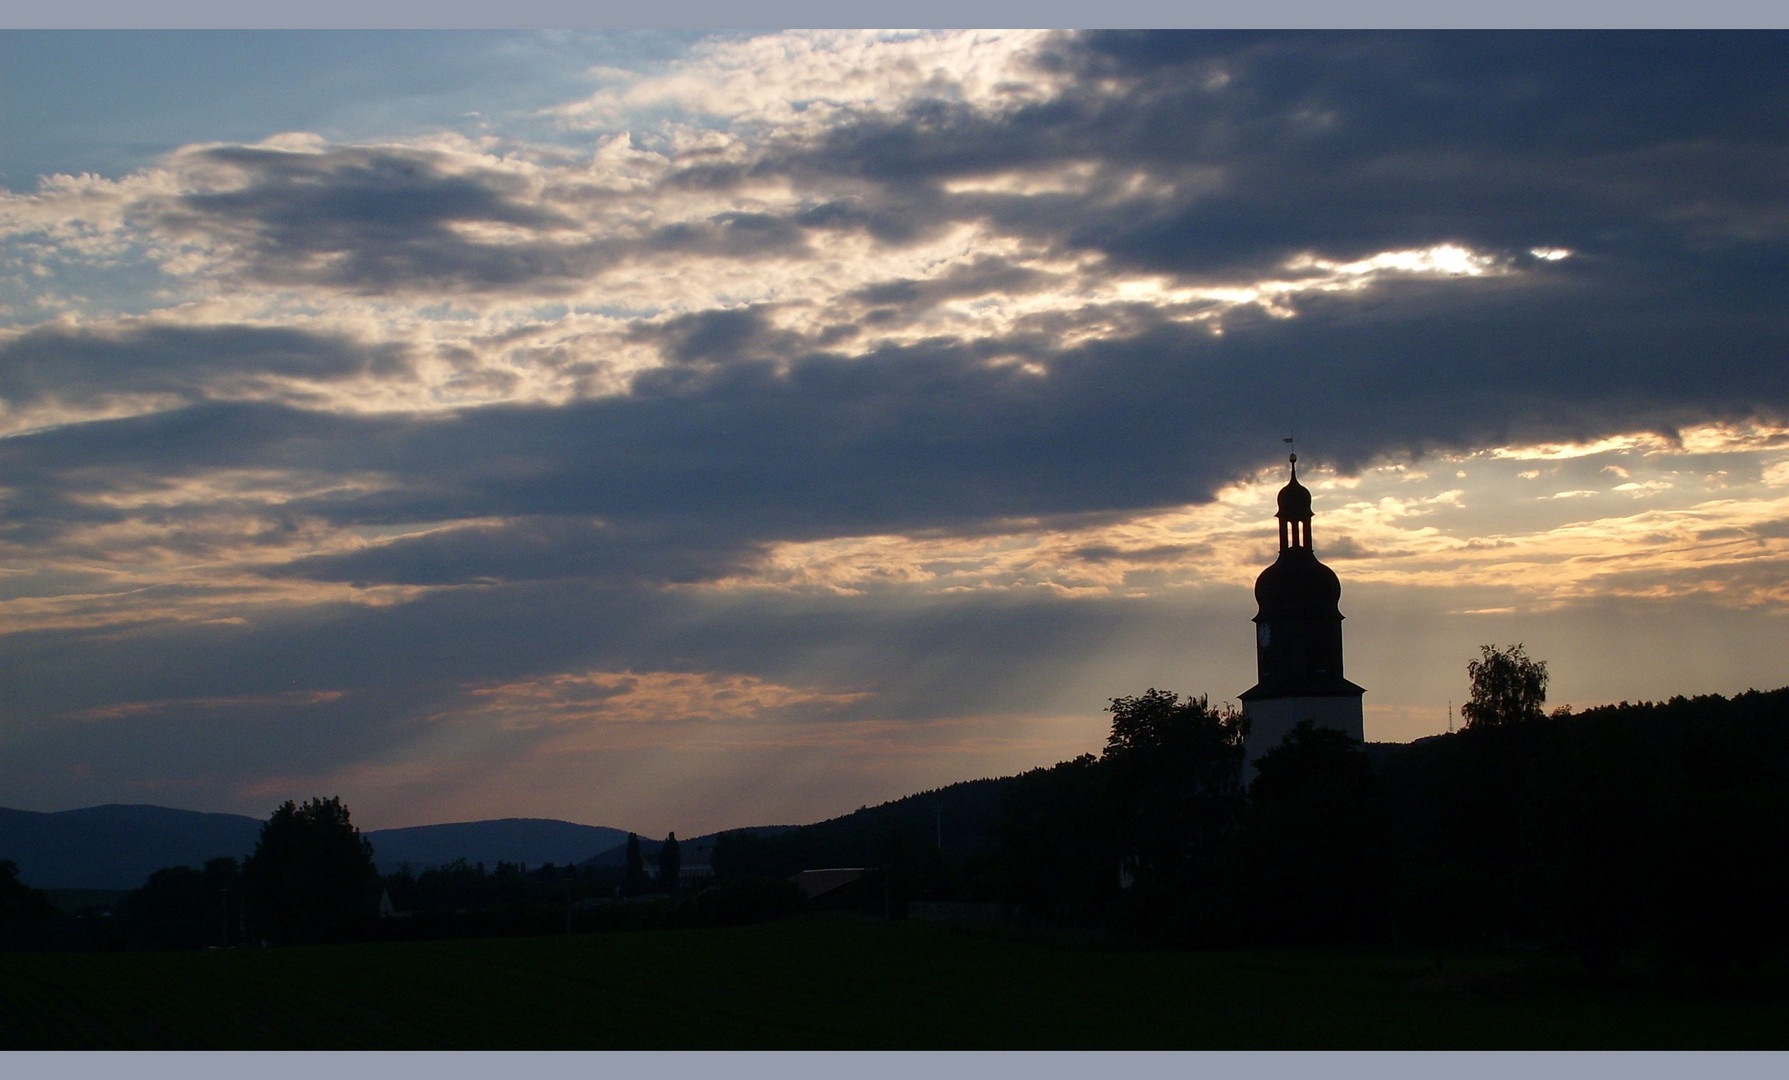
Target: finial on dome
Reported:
point(1295, 500)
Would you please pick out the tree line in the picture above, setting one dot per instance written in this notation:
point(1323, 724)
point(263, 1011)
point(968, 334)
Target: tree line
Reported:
point(311, 879)
point(1654, 832)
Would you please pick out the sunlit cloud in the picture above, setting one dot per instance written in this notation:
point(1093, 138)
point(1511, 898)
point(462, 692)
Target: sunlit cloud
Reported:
point(800, 80)
point(662, 699)
point(1382, 534)
point(294, 700)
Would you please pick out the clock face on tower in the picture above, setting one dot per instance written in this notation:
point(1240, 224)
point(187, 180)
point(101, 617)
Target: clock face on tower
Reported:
point(1263, 635)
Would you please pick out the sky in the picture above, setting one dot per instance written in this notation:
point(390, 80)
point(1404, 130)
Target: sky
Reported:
point(675, 430)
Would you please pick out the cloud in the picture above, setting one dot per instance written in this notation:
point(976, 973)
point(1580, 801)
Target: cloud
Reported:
point(981, 276)
point(75, 367)
point(809, 77)
point(659, 700)
point(371, 219)
point(744, 440)
point(527, 549)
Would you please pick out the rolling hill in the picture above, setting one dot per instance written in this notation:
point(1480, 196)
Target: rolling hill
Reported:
point(518, 840)
point(119, 846)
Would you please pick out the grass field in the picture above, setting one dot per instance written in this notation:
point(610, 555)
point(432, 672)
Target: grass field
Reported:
point(840, 983)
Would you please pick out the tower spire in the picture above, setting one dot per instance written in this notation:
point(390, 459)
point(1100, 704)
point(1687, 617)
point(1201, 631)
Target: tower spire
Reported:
point(1294, 511)
point(1298, 636)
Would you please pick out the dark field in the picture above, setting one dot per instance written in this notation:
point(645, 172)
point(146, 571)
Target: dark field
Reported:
point(839, 983)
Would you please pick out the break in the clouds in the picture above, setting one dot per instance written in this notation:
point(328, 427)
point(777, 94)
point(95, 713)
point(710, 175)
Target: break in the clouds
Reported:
point(783, 422)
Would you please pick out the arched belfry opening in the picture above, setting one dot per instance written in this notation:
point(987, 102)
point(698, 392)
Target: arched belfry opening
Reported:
point(1298, 637)
point(1295, 513)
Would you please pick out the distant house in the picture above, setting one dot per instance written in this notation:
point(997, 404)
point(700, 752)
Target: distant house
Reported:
point(816, 883)
point(698, 874)
point(698, 863)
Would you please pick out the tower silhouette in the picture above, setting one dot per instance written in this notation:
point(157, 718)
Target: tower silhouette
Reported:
point(1298, 638)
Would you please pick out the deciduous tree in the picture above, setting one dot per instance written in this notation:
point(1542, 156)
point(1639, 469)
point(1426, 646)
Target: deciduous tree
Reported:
point(1177, 769)
point(1312, 860)
point(670, 863)
point(183, 907)
point(1507, 688)
point(25, 913)
point(636, 866)
point(311, 877)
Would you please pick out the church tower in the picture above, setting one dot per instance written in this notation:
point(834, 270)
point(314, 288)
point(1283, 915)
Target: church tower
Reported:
point(1298, 638)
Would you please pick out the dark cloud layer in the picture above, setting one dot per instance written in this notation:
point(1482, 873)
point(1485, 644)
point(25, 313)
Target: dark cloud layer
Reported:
point(192, 363)
point(700, 464)
point(535, 548)
point(1255, 149)
point(369, 219)
point(1345, 145)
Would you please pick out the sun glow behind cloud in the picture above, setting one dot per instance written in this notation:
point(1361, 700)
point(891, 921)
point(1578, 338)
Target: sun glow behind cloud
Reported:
point(1707, 510)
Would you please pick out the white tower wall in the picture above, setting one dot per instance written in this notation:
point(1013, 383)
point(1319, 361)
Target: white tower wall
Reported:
point(1272, 719)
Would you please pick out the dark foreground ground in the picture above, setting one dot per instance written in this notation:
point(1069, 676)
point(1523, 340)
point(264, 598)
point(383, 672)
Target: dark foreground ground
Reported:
point(840, 983)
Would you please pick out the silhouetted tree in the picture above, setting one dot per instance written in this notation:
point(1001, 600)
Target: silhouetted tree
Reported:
point(636, 866)
point(1507, 688)
point(25, 913)
point(1312, 859)
point(1134, 834)
point(670, 863)
point(181, 907)
point(1721, 862)
point(1672, 833)
point(1173, 770)
point(1594, 817)
point(311, 877)
point(1059, 859)
point(1168, 736)
point(739, 854)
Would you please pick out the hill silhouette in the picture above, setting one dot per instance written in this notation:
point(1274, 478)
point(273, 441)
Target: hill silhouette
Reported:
point(118, 846)
point(696, 851)
point(1650, 829)
point(532, 841)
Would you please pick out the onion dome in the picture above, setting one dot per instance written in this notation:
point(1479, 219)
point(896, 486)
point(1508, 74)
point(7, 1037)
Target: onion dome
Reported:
point(1295, 498)
point(1297, 585)
point(1298, 631)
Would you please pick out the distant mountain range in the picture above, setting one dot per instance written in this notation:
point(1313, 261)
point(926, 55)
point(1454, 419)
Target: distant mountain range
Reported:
point(118, 847)
point(691, 851)
point(518, 840)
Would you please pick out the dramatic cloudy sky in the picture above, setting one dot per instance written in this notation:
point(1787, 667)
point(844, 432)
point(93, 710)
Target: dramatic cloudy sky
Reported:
point(679, 431)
